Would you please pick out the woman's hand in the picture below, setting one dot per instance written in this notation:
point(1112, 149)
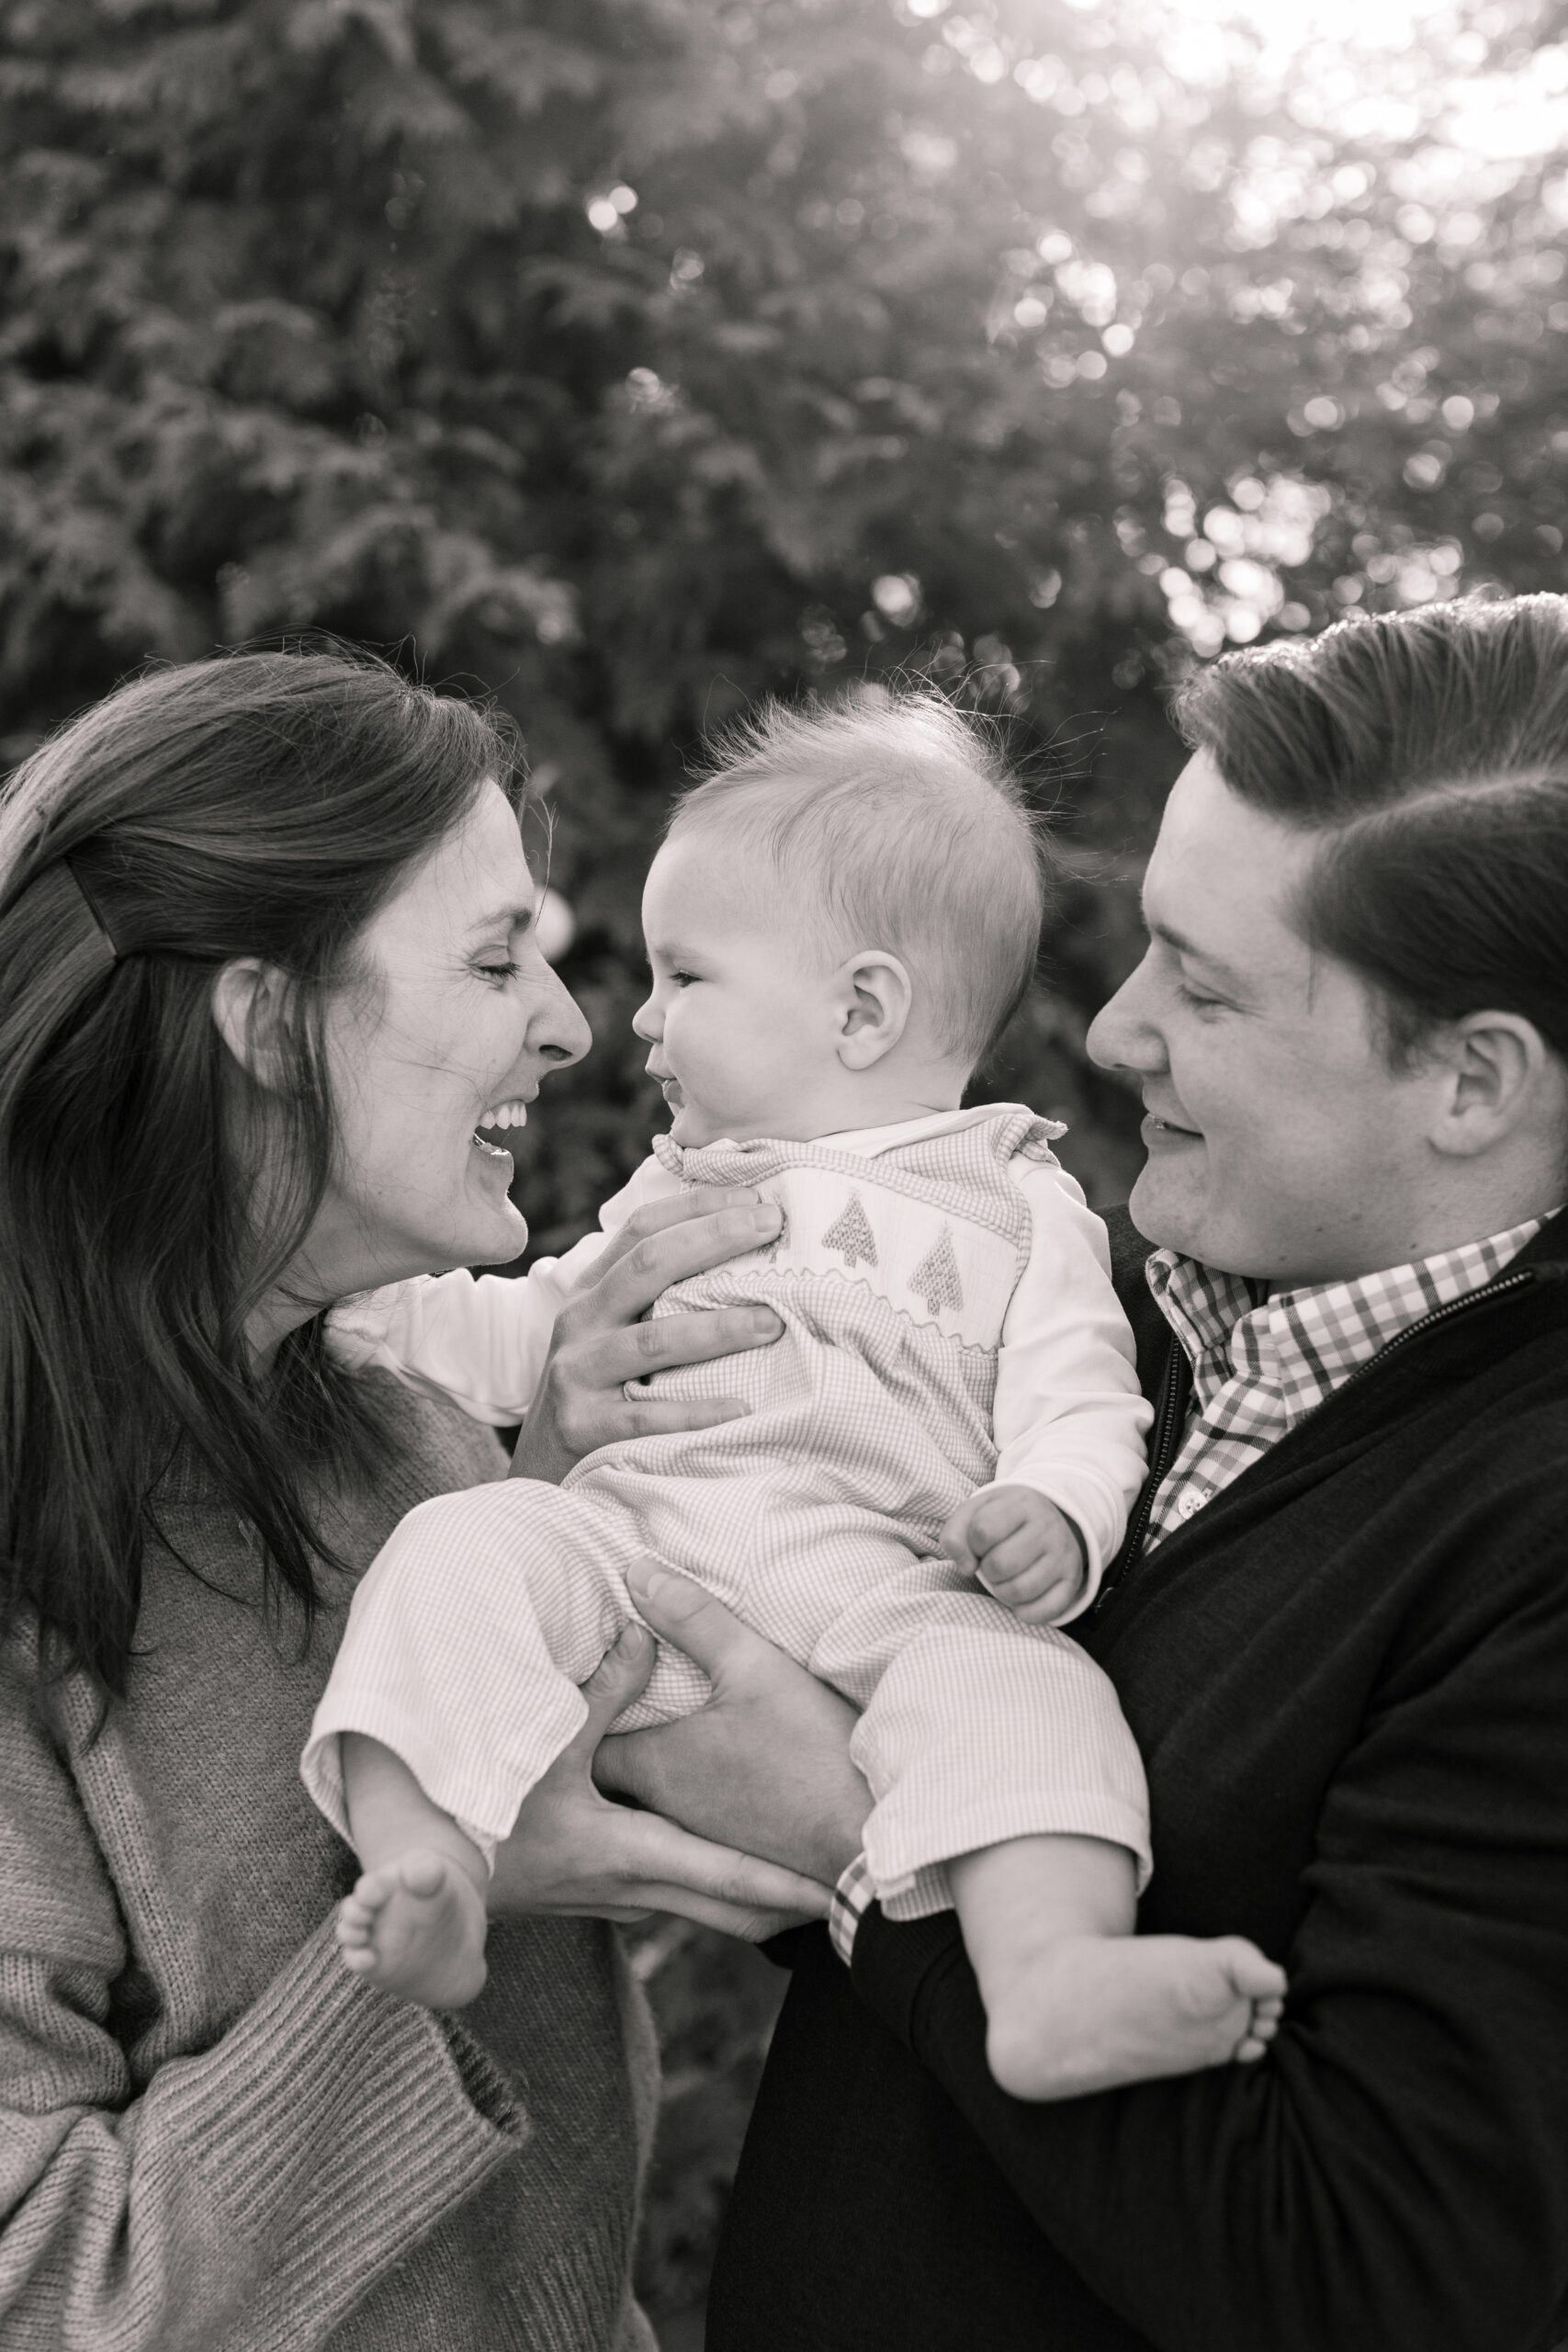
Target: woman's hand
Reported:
point(765, 1764)
point(572, 1851)
point(600, 1343)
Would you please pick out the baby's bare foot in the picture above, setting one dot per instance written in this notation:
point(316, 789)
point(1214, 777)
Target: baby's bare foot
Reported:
point(1093, 2011)
point(416, 1927)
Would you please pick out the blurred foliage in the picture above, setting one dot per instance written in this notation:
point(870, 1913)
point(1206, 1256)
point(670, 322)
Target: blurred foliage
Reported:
point(631, 358)
point(715, 2002)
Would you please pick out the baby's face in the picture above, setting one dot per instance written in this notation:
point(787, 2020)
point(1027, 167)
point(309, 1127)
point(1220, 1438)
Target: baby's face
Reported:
point(741, 1018)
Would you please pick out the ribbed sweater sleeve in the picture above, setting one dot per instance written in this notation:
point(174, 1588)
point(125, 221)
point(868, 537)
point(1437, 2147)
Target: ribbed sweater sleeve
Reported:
point(254, 2189)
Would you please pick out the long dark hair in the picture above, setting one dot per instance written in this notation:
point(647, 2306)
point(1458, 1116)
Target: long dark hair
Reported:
point(261, 804)
point(1429, 750)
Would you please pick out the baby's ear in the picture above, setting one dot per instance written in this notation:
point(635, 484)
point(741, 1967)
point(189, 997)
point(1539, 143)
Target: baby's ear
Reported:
point(876, 997)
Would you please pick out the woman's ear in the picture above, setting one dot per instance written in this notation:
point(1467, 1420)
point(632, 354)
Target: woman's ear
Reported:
point(250, 1007)
point(875, 1002)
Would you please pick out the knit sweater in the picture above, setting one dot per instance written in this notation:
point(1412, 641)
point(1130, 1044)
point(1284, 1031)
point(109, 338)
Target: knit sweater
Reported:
point(1347, 1675)
point(212, 2137)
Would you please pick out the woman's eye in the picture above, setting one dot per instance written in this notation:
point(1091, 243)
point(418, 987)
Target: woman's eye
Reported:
point(501, 972)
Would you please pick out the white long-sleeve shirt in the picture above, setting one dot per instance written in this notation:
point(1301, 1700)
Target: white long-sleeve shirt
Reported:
point(915, 1266)
point(1068, 1419)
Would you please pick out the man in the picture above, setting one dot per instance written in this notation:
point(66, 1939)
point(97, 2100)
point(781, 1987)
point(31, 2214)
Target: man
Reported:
point(1339, 1628)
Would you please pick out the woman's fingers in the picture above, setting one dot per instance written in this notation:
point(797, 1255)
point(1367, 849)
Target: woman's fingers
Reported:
point(664, 1867)
point(632, 1277)
point(636, 1350)
point(601, 1343)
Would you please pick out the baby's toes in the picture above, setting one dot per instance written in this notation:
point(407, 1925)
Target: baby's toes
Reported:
point(355, 1921)
point(1262, 2026)
point(373, 1891)
point(1249, 1971)
point(421, 1875)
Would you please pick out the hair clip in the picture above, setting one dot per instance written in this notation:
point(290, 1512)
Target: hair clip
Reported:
point(90, 907)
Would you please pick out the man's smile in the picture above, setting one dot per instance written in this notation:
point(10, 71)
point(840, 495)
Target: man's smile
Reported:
point(1158, 1129)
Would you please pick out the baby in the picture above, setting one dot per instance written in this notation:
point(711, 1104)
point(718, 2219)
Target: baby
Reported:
point(937, 1459)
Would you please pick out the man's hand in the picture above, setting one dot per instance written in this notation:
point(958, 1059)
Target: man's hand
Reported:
point(765, 1764)
point(1025, 1552)
point(600, 1341)
point(573, 1852)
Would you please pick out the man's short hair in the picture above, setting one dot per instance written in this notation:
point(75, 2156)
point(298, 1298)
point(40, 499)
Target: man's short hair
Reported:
point(893, 823)
point(1429, 751)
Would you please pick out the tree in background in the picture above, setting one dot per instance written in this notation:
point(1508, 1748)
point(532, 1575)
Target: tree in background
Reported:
point(630, 359)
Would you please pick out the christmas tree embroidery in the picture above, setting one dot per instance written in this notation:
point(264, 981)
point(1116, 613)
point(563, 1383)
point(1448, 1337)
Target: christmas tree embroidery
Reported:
point(935, 1279)
point(851, 1234)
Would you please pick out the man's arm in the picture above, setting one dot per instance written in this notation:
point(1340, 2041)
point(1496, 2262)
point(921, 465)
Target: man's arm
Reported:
point(1394, 2175)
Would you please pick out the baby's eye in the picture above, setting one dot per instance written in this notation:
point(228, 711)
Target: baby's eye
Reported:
point(683, 980)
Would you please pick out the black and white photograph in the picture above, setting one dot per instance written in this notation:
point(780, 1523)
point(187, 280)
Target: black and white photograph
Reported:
point(783, 1140)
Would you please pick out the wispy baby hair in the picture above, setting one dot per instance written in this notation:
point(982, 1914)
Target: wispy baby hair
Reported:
point(893, 821)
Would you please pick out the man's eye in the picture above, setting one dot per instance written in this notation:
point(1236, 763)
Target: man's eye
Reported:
point(1199, 1003)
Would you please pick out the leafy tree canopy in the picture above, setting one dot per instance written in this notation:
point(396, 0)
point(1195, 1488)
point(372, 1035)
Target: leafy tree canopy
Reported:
point(634, 357)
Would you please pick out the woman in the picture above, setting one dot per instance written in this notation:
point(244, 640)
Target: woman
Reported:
point(266, 962)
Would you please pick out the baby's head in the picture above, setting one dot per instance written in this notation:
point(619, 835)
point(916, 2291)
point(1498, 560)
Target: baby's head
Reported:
point(843, 916)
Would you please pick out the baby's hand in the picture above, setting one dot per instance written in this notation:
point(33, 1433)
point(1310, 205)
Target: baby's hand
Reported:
point(1022, 1549)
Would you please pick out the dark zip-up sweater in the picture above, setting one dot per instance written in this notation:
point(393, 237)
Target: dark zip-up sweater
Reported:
point(1349, 1676)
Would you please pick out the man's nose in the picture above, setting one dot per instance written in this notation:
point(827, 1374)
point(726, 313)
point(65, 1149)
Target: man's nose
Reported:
point(1123, 1034)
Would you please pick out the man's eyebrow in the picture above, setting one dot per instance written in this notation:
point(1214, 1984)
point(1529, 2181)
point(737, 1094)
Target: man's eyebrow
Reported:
point(1170, 937)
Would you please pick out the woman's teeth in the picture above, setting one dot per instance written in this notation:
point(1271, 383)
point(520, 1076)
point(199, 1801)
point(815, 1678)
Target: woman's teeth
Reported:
point(503, 1116)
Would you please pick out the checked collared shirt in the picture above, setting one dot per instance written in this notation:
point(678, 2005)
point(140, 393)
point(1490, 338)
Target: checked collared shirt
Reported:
point(1261, 1363)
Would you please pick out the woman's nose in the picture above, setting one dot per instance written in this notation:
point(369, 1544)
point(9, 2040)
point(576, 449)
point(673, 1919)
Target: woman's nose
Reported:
point(557, 1028)
point(1122, 1035)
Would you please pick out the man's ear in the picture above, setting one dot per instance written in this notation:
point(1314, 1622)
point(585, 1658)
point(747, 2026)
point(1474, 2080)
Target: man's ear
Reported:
point(874, 1001)
point(1500, 1073)
point(250, 1007)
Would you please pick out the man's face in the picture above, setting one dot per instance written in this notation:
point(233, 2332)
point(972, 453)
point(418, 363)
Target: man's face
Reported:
point(1281, 1143)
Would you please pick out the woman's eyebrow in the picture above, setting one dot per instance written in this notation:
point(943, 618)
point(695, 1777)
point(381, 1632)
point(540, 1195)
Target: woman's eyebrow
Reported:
point(514, 918)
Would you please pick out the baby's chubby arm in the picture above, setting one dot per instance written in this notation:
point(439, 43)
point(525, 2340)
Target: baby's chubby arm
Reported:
point(1070, 1418)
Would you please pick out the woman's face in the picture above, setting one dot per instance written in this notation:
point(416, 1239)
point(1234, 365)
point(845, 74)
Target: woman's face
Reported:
point(457, 1021)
